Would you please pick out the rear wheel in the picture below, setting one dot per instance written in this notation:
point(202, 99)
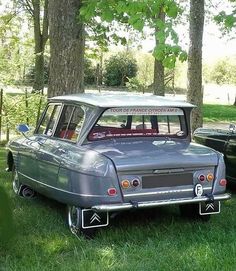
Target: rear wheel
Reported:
point(192, 211)
point(74, 219)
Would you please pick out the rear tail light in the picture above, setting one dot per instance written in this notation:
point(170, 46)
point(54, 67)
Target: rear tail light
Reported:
point(135, 182)
point(125, 184)
point(210, 177)
point(223, 182)
point(202, 178)
point(111, 191)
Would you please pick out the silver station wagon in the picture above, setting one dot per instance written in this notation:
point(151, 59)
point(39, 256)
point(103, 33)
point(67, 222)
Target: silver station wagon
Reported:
point(106, 153)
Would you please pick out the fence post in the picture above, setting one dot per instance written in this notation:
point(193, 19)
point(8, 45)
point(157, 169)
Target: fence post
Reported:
point(7, 133)
point(26, 106)
point(1, 103)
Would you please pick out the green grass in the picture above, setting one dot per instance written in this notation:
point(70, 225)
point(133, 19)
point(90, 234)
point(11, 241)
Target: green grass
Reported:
point(215, 112)
point(157, 239)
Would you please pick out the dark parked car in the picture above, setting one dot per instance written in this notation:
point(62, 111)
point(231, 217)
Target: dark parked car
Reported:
point(107, 153)
point(223, 141)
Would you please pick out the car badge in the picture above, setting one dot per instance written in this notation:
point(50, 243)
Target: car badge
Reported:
point(210, 206)
point(95, 217)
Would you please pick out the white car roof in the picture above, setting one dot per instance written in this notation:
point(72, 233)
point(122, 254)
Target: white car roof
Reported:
point(105, 100)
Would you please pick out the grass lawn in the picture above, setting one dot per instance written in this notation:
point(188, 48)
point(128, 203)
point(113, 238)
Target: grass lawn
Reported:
point(157, 239)
point(215, 112)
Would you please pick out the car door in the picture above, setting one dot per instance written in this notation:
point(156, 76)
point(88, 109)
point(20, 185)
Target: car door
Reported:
point(230, 156)
point(66, 123)
point(27, 164)
point(46, 156)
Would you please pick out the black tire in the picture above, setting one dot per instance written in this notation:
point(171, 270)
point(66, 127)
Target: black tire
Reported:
point(74, 220)
point(192, 211)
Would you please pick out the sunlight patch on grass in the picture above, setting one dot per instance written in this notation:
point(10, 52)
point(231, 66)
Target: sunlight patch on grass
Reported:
point(107, 257)
point(215, 112)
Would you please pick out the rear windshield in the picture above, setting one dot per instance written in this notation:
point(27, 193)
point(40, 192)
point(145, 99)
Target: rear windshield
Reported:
point(139, 122)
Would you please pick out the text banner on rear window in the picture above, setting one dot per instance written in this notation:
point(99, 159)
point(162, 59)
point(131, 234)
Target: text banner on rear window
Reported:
point(158, 111)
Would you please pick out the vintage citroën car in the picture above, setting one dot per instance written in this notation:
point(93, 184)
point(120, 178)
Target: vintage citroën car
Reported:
point(105, 153)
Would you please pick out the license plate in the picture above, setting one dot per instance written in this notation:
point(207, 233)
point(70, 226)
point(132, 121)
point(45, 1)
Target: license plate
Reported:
point(208, 208)
point(91, 219)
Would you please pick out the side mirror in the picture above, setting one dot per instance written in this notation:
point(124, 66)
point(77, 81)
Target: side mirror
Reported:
point(232, 128)
point(23, 128)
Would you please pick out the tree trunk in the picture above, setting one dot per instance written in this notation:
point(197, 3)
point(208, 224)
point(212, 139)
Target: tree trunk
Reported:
point(159, 85)
point(159, 71)
point(40, 38)
point(195, 91)
point(38, 68)
point(67, 42)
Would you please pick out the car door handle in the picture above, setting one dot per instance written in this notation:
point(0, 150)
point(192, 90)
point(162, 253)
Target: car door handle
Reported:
point(62, 150)
point(41, 141)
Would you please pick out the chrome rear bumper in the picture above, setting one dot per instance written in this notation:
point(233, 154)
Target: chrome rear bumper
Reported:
point(150, 204)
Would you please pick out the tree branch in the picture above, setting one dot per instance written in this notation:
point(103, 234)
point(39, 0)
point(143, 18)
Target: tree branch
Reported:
point(45, 23)
point(36, 19)
point(27, 5)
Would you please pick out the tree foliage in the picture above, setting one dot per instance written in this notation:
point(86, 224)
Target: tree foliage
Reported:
point(15, 50)
point(38, 12)
point(139, 14)
point(227, 20)
point(119, 68)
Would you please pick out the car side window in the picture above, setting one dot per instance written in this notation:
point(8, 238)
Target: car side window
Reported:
point(70, 123)
point(49, 119)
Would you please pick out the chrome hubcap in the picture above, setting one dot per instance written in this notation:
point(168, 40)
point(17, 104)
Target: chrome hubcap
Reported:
point(15, 183)
point(74, 219)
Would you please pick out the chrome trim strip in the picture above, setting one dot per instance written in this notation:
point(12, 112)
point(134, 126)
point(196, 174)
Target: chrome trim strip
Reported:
point(206, 137)
point(149, 204)
point(163, 192)
point(150, 171)
point(61, 190)
point(168, 171)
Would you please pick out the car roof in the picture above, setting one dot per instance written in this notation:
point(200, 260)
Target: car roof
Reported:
point(107, 100)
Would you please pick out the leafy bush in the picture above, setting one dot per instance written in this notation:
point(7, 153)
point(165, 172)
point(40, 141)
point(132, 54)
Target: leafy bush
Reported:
point(144, 78)
point(223, 72)
point(135, 84)
point(119, 68)
point(89, 72)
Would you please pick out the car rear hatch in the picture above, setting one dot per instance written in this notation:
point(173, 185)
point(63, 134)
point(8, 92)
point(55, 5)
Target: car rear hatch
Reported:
point(159, 169)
